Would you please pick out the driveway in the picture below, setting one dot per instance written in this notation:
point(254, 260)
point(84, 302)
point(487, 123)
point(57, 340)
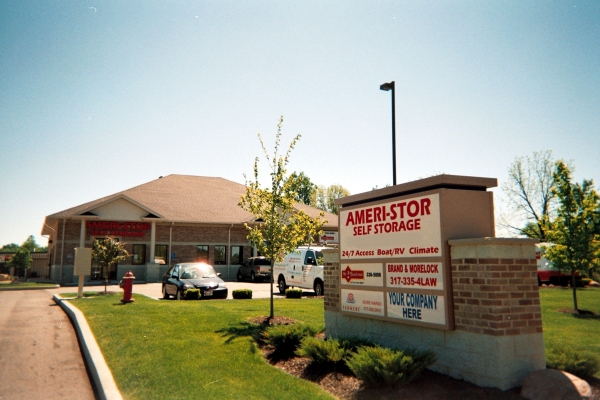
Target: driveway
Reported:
point(39, 351)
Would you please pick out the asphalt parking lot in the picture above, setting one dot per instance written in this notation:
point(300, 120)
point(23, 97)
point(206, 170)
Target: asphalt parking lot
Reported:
point(260, 290)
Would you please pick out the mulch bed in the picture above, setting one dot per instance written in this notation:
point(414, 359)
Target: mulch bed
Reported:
point(276, 320)
point(576, 312)
point(344, 385)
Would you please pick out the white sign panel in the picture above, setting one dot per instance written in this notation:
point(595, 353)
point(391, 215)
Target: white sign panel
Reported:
point(399, 228)
point(362, 274)
point(362, 302)
point(83, 261)
point(329, 237)
point(415, 275)
point(417, 307)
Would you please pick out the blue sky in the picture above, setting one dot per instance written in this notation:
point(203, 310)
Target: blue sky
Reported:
point(101, 96)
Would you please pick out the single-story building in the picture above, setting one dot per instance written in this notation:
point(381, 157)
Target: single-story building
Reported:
point(173, 219)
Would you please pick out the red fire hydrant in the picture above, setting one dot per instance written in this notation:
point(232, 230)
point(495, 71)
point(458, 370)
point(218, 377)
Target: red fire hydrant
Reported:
point(127, 287)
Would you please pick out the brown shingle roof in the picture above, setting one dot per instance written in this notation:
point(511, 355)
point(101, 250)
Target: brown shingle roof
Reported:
point(186, 198)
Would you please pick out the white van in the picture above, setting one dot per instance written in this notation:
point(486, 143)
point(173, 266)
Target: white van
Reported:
point(302, 268)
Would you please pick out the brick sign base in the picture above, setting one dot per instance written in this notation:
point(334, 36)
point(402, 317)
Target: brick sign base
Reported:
point(498, 339)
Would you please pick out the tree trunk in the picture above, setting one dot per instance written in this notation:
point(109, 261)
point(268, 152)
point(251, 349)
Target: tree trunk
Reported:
point(574, 286)
point(272, 312)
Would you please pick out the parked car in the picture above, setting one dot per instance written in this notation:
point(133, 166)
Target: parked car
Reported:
point(255, 268)
point(181, 277)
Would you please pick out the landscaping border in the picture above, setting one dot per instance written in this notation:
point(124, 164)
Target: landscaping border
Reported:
point(100, 374)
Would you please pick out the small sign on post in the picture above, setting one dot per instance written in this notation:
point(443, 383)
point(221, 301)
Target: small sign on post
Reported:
point(83, 266)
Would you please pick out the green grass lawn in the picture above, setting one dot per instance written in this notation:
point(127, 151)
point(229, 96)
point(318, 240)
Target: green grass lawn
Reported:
point(21, 285)
point(195, 349)
point(204, 349)
point(568, 330)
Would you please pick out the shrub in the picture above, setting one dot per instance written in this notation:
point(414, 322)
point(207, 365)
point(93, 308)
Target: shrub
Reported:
point(242, 294)
point(352, 344)
point(293, 293)
point(191, 294)
point(330, 351)
point(286, 338)
point(578, 363)
point(322, 351)
point(387, 367)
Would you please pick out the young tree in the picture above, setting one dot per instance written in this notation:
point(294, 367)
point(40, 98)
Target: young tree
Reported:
point(107, 252)
point(280, 228)
point(326, 196)
point(530, 195)
point(576, 232)
point(21, 259)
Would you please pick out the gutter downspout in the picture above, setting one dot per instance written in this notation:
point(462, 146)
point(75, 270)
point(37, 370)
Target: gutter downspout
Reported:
point(229, 252)
point(81, 244)
point(62, 250)
point(152, 242)
point(50, 253)
point(170, 241)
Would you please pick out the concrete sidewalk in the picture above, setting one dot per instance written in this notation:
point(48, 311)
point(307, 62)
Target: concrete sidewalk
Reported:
point(98, 370)
point(39, 352)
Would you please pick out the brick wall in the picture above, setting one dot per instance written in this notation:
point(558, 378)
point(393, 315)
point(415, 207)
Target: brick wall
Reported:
point(331, 275)
point(496, 296)
point(201, 234)
point(183, 243)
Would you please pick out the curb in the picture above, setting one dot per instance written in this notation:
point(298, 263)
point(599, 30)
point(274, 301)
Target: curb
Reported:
point(7, 289)
point(100, 374)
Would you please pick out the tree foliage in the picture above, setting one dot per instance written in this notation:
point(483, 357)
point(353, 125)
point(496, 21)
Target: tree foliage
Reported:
point(530, 194)
point(279, 227)
point(12, 247)
point(21, 259)
point(576, 230)
point(306, 189)
point(32, 245)
point(29, 244)
point(326, 196)
point(107, 252)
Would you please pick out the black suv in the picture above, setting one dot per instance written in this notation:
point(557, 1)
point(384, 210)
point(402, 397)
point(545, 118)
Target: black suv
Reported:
point(255, 268)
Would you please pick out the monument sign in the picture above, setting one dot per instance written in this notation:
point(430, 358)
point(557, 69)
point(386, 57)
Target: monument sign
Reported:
point(394, 254)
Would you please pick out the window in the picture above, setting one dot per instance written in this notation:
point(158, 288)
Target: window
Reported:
point(160, 254)
point(311, 255)
point(237, 255)
point(220, 252)
point(261, 261)
point(138, 255)
point(202, 253)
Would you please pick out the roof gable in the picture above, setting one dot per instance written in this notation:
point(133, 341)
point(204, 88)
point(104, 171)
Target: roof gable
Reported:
point(120, 208)
point(180, 198)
